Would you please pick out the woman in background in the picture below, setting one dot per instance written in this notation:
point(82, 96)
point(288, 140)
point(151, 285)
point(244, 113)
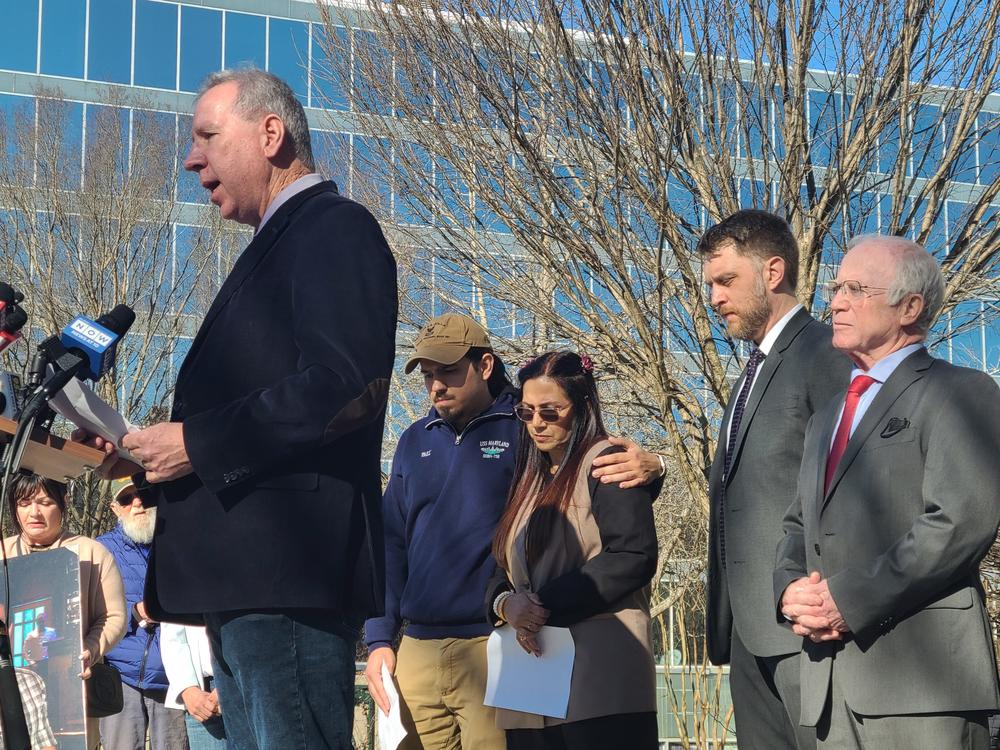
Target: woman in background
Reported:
point(580, 554)
point(38, 506)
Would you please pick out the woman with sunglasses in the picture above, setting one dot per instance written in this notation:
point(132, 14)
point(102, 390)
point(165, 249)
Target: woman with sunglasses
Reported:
point(38, 507)
point(576, 553)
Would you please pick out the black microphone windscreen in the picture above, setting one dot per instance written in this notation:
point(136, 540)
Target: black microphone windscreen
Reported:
point(14, 320)
point(119, 320)
point(7, 294)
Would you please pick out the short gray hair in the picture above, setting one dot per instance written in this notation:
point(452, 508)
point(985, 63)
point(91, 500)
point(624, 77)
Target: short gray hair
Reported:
point(260, 93)
point(916, 273)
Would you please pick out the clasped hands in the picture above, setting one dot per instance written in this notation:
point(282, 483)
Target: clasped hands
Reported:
point(526, 615)
point(808, 604)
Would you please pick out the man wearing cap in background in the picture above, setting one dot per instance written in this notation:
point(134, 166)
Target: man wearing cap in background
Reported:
point(137, 657)
point(447, 489)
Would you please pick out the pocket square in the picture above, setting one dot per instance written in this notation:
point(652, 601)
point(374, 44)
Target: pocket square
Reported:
point(896, 424)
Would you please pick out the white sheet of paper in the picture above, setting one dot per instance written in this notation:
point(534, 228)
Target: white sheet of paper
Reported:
point(78, 403)
point(535, 684)
point(389, 728)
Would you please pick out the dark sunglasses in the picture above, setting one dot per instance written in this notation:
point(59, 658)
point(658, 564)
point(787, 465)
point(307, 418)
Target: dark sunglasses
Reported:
point(547, 413)
point(127, 498)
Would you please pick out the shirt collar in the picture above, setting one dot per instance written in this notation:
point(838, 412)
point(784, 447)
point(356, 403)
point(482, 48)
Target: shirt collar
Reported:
point(772, 336)
point(882, 369)
point(303, 183)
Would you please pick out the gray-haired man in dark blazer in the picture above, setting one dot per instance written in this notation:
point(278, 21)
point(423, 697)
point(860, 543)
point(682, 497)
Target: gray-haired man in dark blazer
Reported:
point(751, 265)
point(898, 502)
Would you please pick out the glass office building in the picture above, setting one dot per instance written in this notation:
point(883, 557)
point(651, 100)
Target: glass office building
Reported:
point(90, 50)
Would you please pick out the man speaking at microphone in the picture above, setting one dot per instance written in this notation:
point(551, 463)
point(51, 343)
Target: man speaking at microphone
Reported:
point(268, 472)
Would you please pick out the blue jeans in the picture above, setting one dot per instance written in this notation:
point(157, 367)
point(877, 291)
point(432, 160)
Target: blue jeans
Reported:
point(210, 735)
point(285, 678)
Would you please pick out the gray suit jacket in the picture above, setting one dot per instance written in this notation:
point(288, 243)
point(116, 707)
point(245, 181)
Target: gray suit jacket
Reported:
point(801, 374)
point(912, 508)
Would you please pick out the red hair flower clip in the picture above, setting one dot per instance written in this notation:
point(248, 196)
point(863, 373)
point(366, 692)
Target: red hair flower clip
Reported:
point(586, 363)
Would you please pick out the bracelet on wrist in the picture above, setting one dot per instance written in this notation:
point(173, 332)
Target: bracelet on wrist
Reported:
point(498, 603)
point(663, 465)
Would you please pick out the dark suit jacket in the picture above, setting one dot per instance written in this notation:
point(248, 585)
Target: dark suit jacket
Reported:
point(911, 510)
point(282, 397)
point(800, 374)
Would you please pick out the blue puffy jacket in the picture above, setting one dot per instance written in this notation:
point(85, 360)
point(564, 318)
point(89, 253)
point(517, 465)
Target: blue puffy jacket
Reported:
point(137, 657)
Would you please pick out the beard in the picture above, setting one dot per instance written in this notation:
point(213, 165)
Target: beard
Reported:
point(754, 316)
point(139, 528)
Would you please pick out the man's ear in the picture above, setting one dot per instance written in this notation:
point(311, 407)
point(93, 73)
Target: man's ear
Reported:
point(911, 307)
point(774, 273)
point(486, 365)
point(272, 131)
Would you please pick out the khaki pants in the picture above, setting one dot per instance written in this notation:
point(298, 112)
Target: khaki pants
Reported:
point(441, 684)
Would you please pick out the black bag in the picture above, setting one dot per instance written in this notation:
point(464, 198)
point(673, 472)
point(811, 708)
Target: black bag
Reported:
point(104, 691)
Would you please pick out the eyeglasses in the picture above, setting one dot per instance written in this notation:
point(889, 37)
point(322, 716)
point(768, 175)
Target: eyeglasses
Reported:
point(547, 413)
point(127, 498)
point(853, 290)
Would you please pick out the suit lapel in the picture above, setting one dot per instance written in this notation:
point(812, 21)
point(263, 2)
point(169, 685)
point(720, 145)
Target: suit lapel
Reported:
point(249, 259)
point(764, 375)
point(909, 370)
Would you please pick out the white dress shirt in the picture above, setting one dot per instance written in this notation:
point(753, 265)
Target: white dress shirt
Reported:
point(303, 183)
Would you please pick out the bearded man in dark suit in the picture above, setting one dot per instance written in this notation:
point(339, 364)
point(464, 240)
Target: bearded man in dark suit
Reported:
point(751, 268)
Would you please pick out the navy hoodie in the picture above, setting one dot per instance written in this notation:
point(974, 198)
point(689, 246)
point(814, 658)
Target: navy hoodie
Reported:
point(444, 500)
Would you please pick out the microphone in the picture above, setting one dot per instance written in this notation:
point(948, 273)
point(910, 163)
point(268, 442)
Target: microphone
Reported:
point(97, 340)
point(12, 317)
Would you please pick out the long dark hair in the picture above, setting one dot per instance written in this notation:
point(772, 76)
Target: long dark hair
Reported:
point(575, 376)
point(25, 485)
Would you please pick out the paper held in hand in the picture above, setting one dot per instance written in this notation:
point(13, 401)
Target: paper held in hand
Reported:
point(518, 681)
point(389, 728)
point(78, 403)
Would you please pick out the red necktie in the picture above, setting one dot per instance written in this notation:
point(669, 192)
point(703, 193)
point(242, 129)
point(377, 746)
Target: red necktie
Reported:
point(859, 385)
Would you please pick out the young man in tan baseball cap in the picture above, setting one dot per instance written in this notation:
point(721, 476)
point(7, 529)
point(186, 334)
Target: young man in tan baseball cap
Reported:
point(447, 489)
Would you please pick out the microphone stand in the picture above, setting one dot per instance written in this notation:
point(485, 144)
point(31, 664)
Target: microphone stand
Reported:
point(66, 365)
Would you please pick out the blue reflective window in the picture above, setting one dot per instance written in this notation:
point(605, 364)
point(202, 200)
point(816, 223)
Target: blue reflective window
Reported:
point(19, 50)
point(365, 175)
point(245, 39)
point(368, 95)
point(328, 89)
point(965, 163)
point(966, 335)
point(201, 45)
point(109, 56)
point(16, 114)
point(107, 142)
point(155, 44)
point(63, 27)
point(824, 118)
point(331, 151)
point(66, 119)
point(153, 135)
point(927, 145)
point(989, 148)
point(189, 189)
point(288, 54)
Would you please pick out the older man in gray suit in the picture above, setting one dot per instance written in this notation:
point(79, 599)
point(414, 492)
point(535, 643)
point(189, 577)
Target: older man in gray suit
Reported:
point(751, 265)
point(898, 501)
